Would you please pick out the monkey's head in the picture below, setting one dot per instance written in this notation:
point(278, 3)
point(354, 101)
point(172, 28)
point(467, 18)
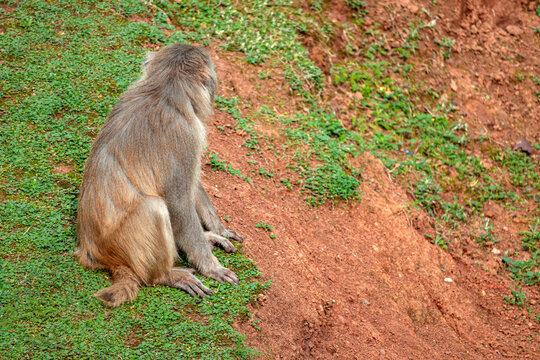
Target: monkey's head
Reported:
point(184, 71)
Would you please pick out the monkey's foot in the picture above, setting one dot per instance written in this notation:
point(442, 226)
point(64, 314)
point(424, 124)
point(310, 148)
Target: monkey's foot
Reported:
point(183, 279)
point(118, 293)
point(216, 240)
point(222, 274)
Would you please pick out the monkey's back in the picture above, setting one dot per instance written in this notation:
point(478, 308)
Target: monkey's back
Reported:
point(144, 143)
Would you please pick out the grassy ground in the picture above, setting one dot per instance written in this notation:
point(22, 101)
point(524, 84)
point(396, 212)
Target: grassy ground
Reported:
point(66, 62)
point(64, 65)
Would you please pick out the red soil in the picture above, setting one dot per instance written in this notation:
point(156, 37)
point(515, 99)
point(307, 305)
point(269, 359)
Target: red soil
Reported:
point(359, 280)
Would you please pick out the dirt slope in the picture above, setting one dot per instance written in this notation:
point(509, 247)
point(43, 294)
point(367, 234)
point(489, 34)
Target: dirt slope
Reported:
point(359, 280)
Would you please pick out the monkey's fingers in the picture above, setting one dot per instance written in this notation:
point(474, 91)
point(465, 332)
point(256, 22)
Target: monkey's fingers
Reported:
point(186, 288)
point(232, 279)
point(222, 274)
point(201, 290)
point(229, 276)
point(233, 235)
point(194, 288)
point(216, 239)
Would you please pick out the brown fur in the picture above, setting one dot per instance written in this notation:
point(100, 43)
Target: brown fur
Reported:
point(141, 196)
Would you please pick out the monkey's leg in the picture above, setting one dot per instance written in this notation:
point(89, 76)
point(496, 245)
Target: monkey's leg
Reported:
point(210, 221)
point(189, 236)
point(142, 251)
point(125, 287)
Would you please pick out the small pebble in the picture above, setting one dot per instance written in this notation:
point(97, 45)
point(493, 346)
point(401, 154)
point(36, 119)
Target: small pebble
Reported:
point(523, 145)
point(514, 30)
point(448, 280)
point(408, 152)
point(365, 301)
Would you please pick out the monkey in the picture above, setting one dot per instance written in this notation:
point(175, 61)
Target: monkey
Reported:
point(141, 198)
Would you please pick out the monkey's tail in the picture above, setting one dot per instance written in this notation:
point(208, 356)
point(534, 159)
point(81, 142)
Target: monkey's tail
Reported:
point(125, 287)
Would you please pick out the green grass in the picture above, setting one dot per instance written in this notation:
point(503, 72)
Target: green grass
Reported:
point(526, 271)
point(217, 164)
point(242, 123)
point(273, 29)
point(65, 63)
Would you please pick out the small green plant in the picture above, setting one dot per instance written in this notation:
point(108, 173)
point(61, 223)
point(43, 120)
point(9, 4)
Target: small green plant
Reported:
point(427, 194)
point(522, 169)
point(264, 226)
point(446, 43)
point(286, 182)
point(537, 80)
point(517, 298)
point(356, 4)
point(411, 44)
point(263, 75)
point(527, 271)
point(265, 173)
point(359, 10)
point(524, 270)
point(268, 228)
point(438, 240)
point(316, 5)
point(414, 32)
point(487, 235)
point(531, 239)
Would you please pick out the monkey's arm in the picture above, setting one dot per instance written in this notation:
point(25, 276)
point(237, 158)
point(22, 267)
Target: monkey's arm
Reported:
point(210, 221)
point(189, 236)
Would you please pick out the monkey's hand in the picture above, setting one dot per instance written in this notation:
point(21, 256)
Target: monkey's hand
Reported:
point(233, 235)
point(222, 274)
point(216, 240)
point(183, 279)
